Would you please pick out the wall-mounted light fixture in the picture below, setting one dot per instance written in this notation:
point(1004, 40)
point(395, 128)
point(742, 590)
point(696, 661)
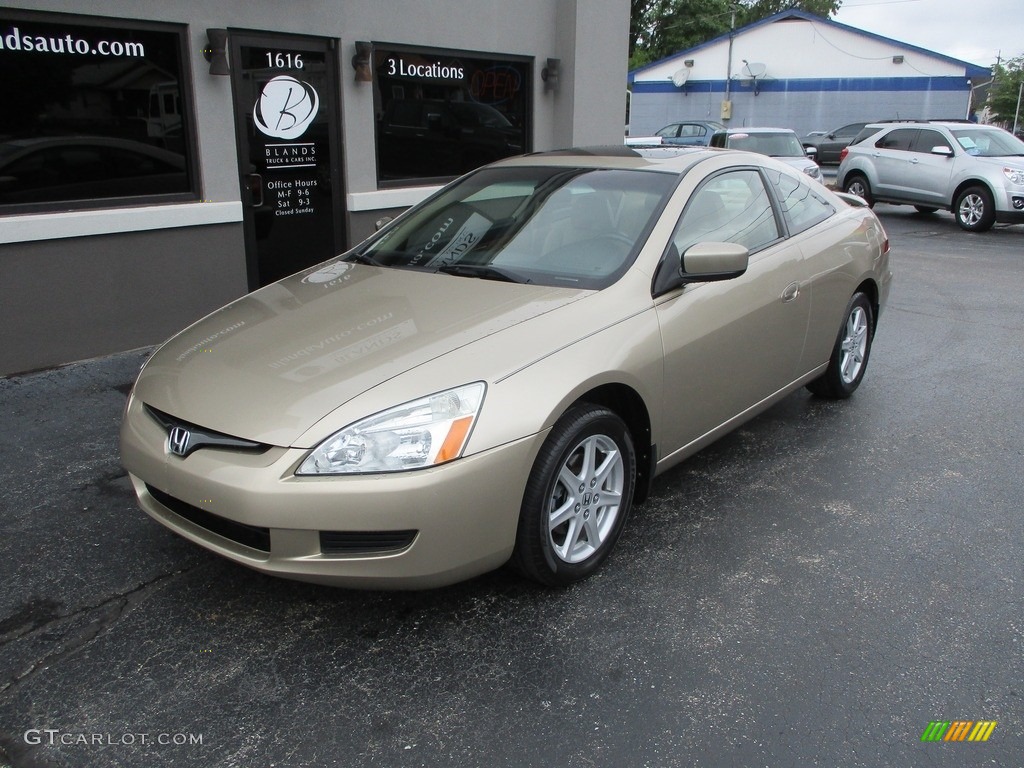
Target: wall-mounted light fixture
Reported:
point(688, 63)
point(550, 74)
point(216, 52)
point(361, 61)
point(897, 59)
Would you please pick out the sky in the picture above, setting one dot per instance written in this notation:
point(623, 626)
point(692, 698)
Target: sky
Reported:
point(975, 31)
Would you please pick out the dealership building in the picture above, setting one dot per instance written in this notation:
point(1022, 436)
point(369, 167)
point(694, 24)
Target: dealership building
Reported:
point(800, 71)
point(159, 159)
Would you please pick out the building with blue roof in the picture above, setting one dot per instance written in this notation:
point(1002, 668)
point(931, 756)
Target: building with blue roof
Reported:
point(804, 72)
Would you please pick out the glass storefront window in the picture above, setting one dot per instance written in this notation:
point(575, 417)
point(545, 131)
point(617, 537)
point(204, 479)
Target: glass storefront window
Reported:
point(442, 113)
point(95, 113)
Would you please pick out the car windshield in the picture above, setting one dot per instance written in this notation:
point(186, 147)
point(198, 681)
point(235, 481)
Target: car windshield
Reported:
point(771, 144)
point(989, 143)
point(560, 226)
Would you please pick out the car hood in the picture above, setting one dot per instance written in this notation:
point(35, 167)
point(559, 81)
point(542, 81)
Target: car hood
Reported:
point(995, 162)
point(273, 363)
point(800, 163)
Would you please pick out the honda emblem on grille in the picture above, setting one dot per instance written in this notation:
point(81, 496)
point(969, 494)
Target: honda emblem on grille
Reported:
point(177, 440)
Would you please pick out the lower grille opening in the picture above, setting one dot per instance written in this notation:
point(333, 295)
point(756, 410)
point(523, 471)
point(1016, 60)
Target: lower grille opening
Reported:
point(250, 536)
point(364, 542)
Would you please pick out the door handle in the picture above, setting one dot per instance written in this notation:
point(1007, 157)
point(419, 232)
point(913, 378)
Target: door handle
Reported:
point(254, 183)
point(791, 292)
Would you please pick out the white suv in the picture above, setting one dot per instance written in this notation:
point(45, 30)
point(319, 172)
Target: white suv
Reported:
point(975, 171)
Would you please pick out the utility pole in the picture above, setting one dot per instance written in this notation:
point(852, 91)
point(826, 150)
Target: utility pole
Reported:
point(1016, 114)
point(727, 104)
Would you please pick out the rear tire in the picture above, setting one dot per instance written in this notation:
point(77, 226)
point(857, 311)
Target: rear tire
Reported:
point(850, 354)
point(857, 184)
point(577, 497)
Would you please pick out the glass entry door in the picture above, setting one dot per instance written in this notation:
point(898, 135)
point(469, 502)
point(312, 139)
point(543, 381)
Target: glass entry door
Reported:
point(287, 123)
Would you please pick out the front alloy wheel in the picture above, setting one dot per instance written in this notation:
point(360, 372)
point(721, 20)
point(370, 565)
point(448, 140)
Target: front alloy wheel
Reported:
point(850, 354)
point(577, 497)
point(974, 210)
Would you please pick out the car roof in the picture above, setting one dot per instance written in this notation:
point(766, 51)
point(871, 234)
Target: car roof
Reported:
point(732, 131)
point(669, 159)
point(951, 124)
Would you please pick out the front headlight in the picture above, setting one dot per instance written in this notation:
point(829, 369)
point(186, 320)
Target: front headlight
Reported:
point(417, 434)
point(1015, 175)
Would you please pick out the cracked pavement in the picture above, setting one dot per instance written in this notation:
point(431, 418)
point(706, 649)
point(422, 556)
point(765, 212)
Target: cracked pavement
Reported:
point(813, 589)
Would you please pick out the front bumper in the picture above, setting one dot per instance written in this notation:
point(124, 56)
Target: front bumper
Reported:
point(431, 527)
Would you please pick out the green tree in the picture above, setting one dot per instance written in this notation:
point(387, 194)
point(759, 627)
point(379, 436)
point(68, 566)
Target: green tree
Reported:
point(660, 28)
point(1005, 90)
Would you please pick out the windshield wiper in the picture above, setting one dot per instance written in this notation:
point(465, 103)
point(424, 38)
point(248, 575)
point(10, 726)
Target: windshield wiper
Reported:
point(365, 258)
point(483, 271)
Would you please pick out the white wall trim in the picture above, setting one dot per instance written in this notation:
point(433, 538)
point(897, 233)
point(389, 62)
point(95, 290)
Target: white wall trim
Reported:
point(53, 226)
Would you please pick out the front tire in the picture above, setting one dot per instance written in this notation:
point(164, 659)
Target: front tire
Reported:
point(577, 497)
point(857, 184)
point(850, 354)
point(974, 209)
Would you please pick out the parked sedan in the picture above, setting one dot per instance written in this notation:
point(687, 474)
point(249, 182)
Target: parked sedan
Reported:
point(780, 143)
point(498, 375)
point(696, 133)
point(828, 145)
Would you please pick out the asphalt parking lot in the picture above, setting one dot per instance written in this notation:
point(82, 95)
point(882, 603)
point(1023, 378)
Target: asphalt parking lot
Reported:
point(813, 590)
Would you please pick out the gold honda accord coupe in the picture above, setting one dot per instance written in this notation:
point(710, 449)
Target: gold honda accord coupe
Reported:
point(498, 375)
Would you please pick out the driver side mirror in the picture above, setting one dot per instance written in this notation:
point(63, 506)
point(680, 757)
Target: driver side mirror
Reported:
point(942, 151)
point(705, 262)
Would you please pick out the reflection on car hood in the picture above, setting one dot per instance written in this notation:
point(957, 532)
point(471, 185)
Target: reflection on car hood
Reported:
point(800, 163)
point(271, 364)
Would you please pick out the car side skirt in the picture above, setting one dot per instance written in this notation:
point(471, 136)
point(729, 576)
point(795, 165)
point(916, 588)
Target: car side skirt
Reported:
point(667, 462)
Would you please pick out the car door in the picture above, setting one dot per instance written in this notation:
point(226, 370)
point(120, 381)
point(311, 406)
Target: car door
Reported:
point(927, 178)
point(891, 160)
point(729, 345)
point(691, 134)
point(669, 134)
point(831, 145)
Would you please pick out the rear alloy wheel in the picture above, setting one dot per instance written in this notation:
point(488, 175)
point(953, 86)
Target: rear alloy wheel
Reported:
point(974, 209)
point(577, 497)
point(856, 184)
point(850, 354)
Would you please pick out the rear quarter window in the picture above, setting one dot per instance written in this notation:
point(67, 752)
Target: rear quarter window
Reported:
point(802, 205)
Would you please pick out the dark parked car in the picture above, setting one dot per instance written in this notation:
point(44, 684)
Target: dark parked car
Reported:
point(828, 146)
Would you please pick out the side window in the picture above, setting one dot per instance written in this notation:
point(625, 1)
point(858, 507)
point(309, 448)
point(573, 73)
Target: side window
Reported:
point(692, 131)
point(732, 207)
point(669, 131)
point(443, 113)
point(97, 112)
point(901, 138)
point(928, 139)
point(802, 205)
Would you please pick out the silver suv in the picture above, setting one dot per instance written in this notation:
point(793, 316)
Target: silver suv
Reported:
point(975, 171)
